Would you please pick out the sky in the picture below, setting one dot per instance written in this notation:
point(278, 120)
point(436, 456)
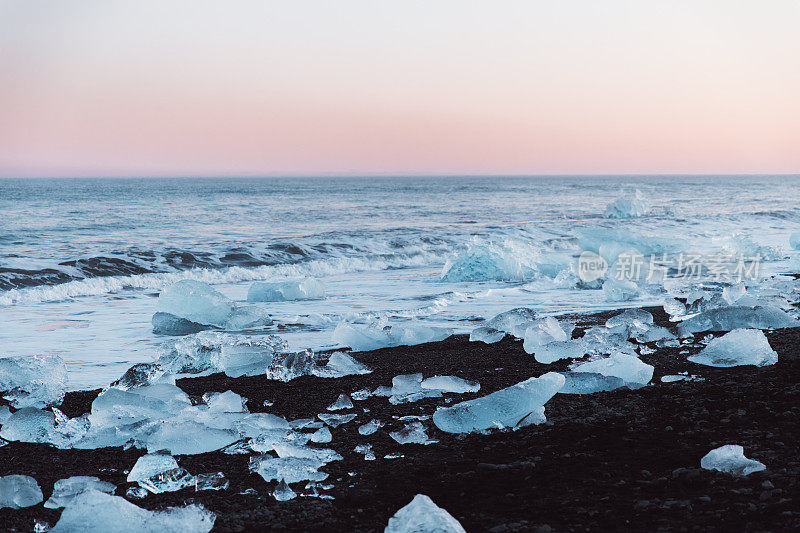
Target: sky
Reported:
point(361, 87)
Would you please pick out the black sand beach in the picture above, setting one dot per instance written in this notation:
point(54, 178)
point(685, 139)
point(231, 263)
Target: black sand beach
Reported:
point(620, 460)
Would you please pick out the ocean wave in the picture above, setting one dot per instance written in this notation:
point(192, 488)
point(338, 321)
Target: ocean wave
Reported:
point(156, 281)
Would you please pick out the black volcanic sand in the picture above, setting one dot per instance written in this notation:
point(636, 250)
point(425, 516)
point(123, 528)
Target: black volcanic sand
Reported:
point(620, 460)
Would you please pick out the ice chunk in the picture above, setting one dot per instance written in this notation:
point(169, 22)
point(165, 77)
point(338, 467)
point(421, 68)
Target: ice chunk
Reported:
point(543, 331)
point(202, 352)
point(555, 351)
point(730, 459)
point(283, 492)
point(243, 360)
point(504, 408)
point(225, 402)
point(364, 338)
point(339, 365)
point(255, 424)
point(5, 414)
point(589, 383)
point(189, 438)
point(423, 516)
point(417, 334)
point(370, 427)
point(36, 381)
point(513, 322)
point(738, 347)
point(283, 291)
point(65, 490)
point(631, 319)
point(200, 305)
point(29, 425)
point(629, 205)
point(619, 290)
point(735, 317)
point(335, 420)
point(287, 366)
point(141, 375)
point(211, 481)
point(342, 402)
point(289, 469)
point(485, 260)
point(654, 334)
point(413, 433)
point(366, 449)
point(633, 372)
point(117, 408)
point(322, 435)
point(97, 512)
point(673, 307)
point(732, 293)
point(794, 240)
point(486, 335)
point(450, 384)
point(160, 473)
point(17, 491)
point(408, 388)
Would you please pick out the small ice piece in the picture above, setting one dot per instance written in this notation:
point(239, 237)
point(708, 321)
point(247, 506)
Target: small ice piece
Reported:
point(17, 491)
point(628, 205)
point(673, 378)
point(365, 449)
point(543, 331)
point(160, 473)
point(514, 322)
point(731, 460)
point(211, 481)
point(141, 375)
point(289, 469)
point(225, 402)
point(322, 435)
point(413, 433)
point(382, 390)
point(196, 302)
point(411, 335)
point(255, 424)
point(654, 334)
point(619, 290)
point(361, 338)
point(361, 394)
point(673, 307)
point(289, 365)
point(339, 365)
point(406, 384)
point(283, 492)
point(30, 425)
point(244, 360)
point(738, 347)
point(342, 402)
point(486, 335)
point(370, 427)
point(35, 381)
point(737, 317)
point(136, 493)
point(504, 408)
point(94, 511)
point(65, 490)
point(40, 526)
point(632, 319)
point(301, 423)
point(633, 372)
point(335, 420)
point(555, 351)
point(450, 384)
point(284, 291)
point(423, 516)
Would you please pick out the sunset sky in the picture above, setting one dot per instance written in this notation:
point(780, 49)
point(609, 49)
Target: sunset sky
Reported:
point(169, 88)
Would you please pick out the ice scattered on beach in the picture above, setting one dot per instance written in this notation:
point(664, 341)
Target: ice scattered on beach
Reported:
point(336, 420)
point(342, 402)
point(423, 516)
point(739, 316)
point(17, 491)
point(370, 427)
point(212, 351)
point(413, 433)
point(737, 347)
point(192, 305)
point(629, 205)
point(630, 370)
point(361, 338)
point(514, 321)
point(283, 492)
point(487, 335)
point(94, 511)
point(550, 341)
point(35, 381)
point(730, 459)
point(289, 290)
point(504, 408)
point(65, 490)
point(322, 435)
point(452, 384)
point(159, 473)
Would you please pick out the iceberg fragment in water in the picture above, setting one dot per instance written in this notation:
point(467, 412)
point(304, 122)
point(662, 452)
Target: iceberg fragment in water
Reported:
point(35, 381)
point(737, 347)
point(493, 260)
point(283, 291)
point(423, 516)
point(730, 459)
point(17, 491)
point(504, 408)
point(629, 205)
point(97, 512)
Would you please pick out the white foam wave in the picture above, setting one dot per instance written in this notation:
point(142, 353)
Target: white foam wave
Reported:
point(317, 268)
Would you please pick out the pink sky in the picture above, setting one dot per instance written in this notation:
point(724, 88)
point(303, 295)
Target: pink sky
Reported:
point(107, 88)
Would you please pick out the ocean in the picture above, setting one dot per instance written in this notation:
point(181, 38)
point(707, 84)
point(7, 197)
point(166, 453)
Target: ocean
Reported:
point(82, 260)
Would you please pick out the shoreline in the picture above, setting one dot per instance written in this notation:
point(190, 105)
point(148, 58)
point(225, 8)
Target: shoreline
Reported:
point(624, 459)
